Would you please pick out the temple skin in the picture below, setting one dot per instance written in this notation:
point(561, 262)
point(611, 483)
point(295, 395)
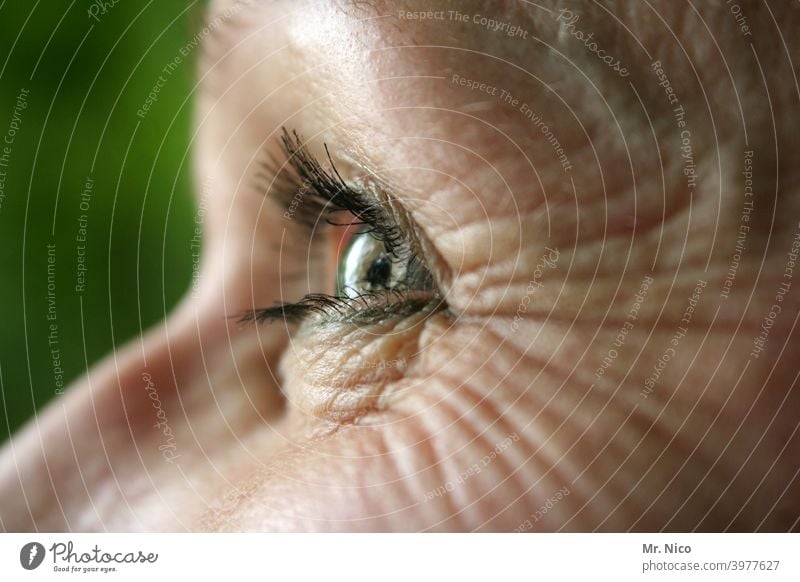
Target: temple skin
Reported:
point(596, 369)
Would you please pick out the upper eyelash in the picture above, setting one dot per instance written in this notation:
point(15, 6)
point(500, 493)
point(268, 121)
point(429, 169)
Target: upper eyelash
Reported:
point(325, 191)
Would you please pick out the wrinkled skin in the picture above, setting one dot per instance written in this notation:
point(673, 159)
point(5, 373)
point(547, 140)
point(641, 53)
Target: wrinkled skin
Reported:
point(308, 428)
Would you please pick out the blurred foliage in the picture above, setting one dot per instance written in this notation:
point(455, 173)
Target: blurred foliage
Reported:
point(86, 79)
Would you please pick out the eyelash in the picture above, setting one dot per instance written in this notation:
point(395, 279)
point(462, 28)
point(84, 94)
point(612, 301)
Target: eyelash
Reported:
point(325, 192)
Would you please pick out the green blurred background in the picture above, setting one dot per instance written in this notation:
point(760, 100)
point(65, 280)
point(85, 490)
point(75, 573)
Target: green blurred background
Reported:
point(86, 79)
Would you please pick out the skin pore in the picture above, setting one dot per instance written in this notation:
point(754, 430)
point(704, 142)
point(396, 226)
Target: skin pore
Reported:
point(580, 224)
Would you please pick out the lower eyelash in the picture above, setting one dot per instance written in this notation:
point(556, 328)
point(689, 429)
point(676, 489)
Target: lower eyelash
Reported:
point(365, 308)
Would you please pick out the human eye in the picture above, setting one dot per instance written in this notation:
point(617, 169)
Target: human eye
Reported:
point(373, 255)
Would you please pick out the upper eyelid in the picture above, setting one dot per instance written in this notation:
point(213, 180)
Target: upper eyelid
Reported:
point(421, 243)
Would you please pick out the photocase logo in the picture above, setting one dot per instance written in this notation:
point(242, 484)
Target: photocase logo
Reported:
point(31, 555)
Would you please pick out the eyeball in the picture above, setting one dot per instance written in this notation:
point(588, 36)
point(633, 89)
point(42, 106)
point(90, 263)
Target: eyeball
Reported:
point(366, 267)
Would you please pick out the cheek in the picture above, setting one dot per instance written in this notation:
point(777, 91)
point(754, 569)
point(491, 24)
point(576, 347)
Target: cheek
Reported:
point(416, 424)
point(429, 461)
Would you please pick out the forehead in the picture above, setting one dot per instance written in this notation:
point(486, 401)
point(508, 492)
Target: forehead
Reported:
point(452, 72)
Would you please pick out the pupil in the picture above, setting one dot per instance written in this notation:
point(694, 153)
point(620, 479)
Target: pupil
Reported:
point(379, 272)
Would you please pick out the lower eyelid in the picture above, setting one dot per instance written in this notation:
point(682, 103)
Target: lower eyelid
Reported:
point(375, 309)
point(339, 373)
point(316, 310)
